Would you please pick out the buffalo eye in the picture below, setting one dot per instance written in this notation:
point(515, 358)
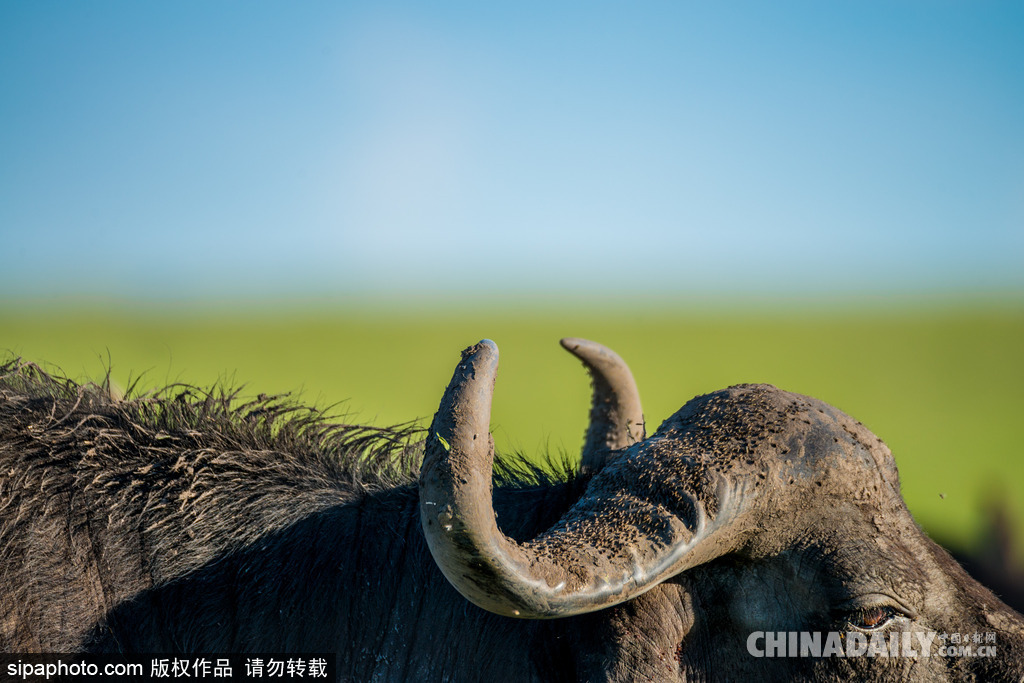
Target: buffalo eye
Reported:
point(872, 618)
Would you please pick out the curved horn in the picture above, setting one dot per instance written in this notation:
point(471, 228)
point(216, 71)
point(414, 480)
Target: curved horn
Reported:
point(613, 544)
point(616, 418)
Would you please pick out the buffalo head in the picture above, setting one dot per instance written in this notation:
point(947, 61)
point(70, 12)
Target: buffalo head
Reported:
point(752, 522)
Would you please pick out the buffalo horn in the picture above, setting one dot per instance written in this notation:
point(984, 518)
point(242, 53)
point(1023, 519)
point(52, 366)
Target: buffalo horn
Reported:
point(616, 418)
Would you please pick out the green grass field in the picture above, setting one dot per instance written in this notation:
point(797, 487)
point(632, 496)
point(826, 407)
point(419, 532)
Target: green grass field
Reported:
point(944, 387)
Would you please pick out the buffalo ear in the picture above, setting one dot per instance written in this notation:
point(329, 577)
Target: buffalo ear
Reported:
point(616, 417)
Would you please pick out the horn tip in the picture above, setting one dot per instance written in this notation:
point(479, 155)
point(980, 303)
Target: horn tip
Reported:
point(570, 344)
point(483, 354)
point(484, 347)
point(590, 352)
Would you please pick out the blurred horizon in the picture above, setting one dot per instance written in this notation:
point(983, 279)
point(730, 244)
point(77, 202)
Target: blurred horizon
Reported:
point(411, 304)
point(788, 152)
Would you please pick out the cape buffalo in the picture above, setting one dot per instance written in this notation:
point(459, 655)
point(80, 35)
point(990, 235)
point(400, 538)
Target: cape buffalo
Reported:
point(757, 535)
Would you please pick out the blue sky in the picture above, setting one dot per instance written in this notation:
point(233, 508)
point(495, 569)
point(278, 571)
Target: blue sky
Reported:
point(230, 149)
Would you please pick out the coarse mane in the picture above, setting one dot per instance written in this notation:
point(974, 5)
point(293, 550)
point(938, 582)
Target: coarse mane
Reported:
point(55, 409)
point(52, 408)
